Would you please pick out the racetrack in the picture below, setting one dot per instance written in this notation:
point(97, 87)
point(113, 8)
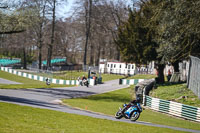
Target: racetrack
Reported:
point(4, 81)
point(49, 98)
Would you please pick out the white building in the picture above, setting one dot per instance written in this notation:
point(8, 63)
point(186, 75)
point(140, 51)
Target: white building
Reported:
point(117, 68)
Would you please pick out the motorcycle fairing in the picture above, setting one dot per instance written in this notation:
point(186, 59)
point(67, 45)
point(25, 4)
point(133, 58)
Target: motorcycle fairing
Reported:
point(130, 110)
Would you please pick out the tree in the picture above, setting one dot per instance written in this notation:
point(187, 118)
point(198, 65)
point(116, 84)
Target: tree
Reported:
point(37, 23)
point(50, 46)
point(88, 12)
point(10, 23)
point(117, 13)
point(136, 38)
point(163, 31)
point(15, 21)
point(177, 30)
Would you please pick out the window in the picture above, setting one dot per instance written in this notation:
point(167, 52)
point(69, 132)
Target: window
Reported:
point(114, 65)
point(132, 66)
point(129, 66)
point(108, 65)
point(120, 66)
point(111, 65)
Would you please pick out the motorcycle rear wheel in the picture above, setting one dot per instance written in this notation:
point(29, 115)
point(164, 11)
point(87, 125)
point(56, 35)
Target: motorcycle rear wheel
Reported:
point(135, 116)
point(118, 115)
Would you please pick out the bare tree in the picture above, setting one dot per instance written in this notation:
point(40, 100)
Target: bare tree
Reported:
point(88, 12)
point(50, 46)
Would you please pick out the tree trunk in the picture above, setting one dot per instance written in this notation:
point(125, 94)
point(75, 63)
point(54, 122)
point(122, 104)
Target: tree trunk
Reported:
point(40, 37)
point(40, 48)
point(160, 71)
point(40, 57)
point(91, 55)
point(87, 24)
point(98, 56)
point(176, 66)
point(118, 54)
point(50, 46)
point(24, 58)
point(49, 56)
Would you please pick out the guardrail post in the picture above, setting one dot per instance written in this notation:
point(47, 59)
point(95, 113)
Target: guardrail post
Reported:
point(144, 97)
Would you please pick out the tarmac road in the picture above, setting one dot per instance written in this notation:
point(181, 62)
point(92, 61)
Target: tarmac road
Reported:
point(49, 99)
point(4, 81)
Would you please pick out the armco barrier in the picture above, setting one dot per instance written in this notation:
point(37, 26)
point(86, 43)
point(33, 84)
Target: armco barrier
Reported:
point(173, 108)
point(130, 81)
point(40, 78)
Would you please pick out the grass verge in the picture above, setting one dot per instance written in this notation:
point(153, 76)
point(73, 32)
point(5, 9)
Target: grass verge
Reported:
point(176, 92)
point(73, 75)
point(142, 76)
point(22, 119)
point(26, 83)
point(108, 103)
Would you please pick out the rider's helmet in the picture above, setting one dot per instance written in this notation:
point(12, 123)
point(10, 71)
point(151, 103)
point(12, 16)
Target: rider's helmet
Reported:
point(138, 99)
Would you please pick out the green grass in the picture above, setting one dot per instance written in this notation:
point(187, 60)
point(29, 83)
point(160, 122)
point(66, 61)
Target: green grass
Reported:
point(174, 92)
point(22, 119)
point(73, 75)
point(26, 83)
point(65, 75)
point(107, 77)
point(142, 76)
point(108, 103)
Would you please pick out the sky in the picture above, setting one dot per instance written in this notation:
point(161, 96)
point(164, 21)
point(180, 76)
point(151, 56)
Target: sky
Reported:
point(65, 10)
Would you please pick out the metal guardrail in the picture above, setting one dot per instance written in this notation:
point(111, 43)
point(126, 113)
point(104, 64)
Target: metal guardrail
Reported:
point(172, 108)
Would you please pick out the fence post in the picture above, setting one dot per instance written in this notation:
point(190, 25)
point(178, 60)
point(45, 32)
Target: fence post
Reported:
point(194, 75)
point(188, 79)
point(144, 97)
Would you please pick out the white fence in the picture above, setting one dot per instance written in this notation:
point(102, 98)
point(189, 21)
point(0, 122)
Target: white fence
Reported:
point(172, 108)
point(43, 79)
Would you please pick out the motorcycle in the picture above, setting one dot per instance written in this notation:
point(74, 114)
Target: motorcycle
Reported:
point(129, 111)
point(85, 82)
point(48, 81)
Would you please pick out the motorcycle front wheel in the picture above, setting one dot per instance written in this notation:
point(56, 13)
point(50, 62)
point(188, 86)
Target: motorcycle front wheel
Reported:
point(118, 115)
point(135, 115)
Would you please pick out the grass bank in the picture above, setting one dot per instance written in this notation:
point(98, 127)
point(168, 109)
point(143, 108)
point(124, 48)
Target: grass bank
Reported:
point(26, 83)
point(176, 92)
point(22, 119)
point(108, 103)
point(142, 76)
point(73, 75)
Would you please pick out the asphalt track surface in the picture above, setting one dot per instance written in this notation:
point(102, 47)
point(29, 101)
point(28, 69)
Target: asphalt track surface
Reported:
point(48, 98)
point(4, 81)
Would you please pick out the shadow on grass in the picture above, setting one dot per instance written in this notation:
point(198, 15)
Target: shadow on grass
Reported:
point(25, 101)
point(59, 93)
point(109, 98)
point(170, 84)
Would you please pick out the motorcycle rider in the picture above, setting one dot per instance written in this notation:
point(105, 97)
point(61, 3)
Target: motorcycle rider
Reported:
point(84, 80)
point(133, 102)
point(137, 100)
